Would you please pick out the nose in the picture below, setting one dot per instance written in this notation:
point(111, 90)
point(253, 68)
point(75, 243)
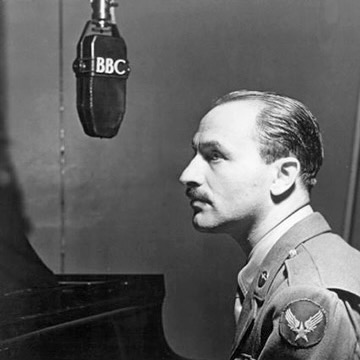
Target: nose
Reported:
point(192, 175)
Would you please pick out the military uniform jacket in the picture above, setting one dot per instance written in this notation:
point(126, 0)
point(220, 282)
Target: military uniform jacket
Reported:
point(304, 302)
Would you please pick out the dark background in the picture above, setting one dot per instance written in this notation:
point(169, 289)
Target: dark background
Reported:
point(125, 211)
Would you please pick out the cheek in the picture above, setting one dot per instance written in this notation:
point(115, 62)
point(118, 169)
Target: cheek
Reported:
point(242, 185)
point(229, 190)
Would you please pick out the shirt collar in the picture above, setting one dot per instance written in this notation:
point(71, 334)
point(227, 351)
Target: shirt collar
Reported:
point(262, 248)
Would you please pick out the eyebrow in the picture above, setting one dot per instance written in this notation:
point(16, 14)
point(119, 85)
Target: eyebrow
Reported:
point(210, 144)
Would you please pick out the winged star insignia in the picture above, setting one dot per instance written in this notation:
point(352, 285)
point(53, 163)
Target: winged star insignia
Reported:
point(303, 328)
point(303, 323)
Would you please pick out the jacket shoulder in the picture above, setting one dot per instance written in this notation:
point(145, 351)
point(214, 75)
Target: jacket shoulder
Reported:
point(327, 261)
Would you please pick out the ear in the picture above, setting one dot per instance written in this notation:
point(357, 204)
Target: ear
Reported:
point(286, 172)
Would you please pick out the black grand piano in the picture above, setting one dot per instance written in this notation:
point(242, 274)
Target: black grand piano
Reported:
point(86, 317)
point(44, 316)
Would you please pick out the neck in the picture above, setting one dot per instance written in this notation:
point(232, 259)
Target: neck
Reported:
point(267, 222)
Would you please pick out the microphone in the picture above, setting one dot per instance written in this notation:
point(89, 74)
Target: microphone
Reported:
point(101, 68)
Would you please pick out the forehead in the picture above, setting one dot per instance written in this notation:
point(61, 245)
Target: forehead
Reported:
point(230, 121)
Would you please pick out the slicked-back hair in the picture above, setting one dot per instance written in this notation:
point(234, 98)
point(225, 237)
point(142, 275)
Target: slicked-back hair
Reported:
point(286, 127)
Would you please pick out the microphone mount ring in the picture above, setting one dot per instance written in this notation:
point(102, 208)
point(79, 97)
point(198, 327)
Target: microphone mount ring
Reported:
point(102, 11)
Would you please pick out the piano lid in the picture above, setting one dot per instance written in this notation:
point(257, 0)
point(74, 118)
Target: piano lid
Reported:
point(86, 317)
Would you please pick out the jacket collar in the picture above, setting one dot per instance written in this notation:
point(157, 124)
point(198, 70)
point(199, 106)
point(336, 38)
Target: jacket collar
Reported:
point(313, 225)
point(266, 243)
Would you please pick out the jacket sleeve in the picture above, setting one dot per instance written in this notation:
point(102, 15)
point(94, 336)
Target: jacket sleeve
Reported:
point(308, 322)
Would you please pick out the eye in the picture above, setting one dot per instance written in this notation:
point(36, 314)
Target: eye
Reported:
point(214, 156)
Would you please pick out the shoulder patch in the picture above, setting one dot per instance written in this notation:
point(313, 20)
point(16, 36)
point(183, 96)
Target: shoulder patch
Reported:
point(303, 323)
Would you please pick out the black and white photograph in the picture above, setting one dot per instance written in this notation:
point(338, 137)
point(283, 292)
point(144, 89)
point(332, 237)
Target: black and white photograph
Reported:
point(179, 180)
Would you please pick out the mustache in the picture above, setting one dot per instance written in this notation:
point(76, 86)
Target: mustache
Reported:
point(194, 194)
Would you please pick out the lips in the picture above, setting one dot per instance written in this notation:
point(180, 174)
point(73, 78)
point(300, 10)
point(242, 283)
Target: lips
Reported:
point(197, 203)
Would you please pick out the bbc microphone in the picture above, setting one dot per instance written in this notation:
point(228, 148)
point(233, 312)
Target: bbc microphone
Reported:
point(101, 68)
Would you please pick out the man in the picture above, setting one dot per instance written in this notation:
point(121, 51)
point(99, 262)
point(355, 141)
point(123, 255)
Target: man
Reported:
point(256, 159)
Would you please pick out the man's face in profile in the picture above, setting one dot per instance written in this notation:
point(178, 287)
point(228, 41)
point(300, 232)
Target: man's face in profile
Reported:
point(227, 181)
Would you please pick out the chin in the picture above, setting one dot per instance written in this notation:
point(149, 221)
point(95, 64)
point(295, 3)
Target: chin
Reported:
point(206, 227)
point(211, 225)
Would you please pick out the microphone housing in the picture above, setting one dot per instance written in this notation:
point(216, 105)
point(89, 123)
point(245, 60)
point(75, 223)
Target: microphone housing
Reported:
point(101, 68)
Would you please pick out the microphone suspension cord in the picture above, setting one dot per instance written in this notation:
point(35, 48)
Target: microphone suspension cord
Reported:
point(62, 159)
